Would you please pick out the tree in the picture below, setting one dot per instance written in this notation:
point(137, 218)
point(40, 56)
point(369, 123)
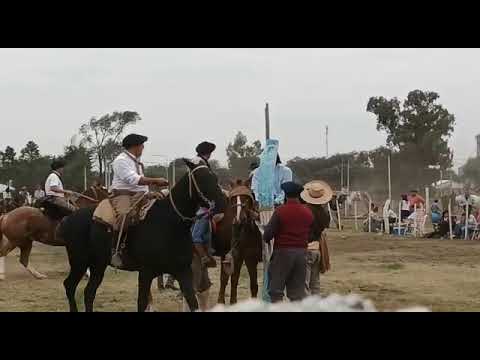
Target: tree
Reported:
point(419, 129)
point(240, 155)
point(30, 152)
point(102, 136)
point(77, 158)
point(8, 156)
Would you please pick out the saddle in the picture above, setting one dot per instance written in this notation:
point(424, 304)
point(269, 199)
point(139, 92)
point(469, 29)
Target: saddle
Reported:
point(105, 214)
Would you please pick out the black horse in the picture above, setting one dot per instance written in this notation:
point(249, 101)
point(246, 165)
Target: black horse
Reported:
point(162, 243)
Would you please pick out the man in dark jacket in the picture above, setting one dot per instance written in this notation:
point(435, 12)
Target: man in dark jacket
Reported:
point(290, 225)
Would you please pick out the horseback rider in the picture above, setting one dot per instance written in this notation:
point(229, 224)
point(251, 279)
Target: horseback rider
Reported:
point(54, 191)
point(201, 230)
point(130, 185)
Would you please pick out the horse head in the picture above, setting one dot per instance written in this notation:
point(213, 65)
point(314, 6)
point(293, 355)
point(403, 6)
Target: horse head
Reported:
point(203, 187)
point(241, 199)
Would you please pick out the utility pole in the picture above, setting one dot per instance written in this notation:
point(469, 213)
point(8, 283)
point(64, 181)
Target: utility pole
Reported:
point(341, 177)
point(326, 138)
point(267, 122)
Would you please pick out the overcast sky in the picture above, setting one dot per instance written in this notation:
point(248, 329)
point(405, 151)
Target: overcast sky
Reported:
point(185, 96)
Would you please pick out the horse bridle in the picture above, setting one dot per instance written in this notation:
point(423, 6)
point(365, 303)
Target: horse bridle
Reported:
point(191, 180)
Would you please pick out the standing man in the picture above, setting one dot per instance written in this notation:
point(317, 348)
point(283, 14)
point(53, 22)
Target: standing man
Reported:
point(54, 190)
point(282, 174)
point(290, 225)
point(201, 231)
point(129, 183)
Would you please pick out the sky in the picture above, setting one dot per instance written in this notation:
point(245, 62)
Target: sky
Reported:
point(186, 96)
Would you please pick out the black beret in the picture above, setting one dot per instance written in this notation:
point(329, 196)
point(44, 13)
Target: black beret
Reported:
point(205, 148)
point(254, 165)
point(133, 140)
point(57, 164)
point(292, 188)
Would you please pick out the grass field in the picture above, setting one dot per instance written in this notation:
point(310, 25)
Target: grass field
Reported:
point(393, 272)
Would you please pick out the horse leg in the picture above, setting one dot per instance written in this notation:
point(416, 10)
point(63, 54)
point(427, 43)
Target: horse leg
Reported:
point(251, 263)
point(185, 280)
point(70, 284)
point(223, 283)
point(25, 251)
point(144, 285)
point(96, 277)
point(235, 277)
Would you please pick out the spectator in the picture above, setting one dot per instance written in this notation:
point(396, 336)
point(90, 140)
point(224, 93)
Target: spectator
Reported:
point(316, 194)
point(39, 193)
point(290, 225)
point(405, 208)
point(416, 199)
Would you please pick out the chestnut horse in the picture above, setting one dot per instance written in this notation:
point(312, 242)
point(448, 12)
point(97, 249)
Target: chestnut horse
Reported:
point(239, 218)
point(24, 225)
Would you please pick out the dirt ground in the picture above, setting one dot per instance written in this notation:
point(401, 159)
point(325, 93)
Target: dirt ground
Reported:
point(393, 272)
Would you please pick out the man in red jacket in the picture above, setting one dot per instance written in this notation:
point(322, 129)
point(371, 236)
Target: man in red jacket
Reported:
point(290, 225)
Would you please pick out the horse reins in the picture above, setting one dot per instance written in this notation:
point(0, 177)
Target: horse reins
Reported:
point(191, 179)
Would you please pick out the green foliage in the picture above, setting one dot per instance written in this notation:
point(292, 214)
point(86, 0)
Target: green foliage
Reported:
point(102, 136)
point(8, 156)
point(30, 152)
point(471, 171)
point(420, 128)
point(241, 155)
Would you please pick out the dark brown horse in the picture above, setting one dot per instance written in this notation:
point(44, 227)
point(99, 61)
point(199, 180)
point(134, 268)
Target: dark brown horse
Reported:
point(24, 225)
point(239, 222)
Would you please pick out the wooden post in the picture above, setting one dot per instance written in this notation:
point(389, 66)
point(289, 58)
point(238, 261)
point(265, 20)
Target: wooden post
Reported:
point(399, 215)
point(341, 178)
point(450, 218)
point(389, 179)
point(466, 221)
point(329, 212)
point(355, 211)
point(338, 214)
point(427, 200)
point(369, 217)
point(2, 268)
point(267, 122)
point(85, 178)
point(415, 220)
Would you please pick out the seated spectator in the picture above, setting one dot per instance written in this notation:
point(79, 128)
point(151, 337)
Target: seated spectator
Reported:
point(459, 230)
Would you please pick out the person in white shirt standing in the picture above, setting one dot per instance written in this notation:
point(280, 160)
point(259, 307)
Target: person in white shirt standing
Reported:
point(129, 184)
point(54, 191)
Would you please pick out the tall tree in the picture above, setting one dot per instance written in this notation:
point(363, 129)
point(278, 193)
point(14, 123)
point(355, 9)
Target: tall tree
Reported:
point(102, 136)
point(240, 154)
point(30, 152)
point(419, 128)
point(8, 156)
point(77, 159)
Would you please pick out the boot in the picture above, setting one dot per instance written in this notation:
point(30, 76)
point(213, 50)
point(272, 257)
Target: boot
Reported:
point(206, 259)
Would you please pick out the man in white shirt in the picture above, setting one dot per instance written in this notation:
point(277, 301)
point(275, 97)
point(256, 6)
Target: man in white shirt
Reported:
point(129, 183)
point(54, 189)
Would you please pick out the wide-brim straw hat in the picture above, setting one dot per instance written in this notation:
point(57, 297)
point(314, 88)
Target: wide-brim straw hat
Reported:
point(317, 192)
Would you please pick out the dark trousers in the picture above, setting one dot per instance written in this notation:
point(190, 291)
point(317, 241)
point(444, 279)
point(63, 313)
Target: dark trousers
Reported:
point(287, 270)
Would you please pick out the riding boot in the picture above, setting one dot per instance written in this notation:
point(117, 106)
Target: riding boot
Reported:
point(205, 258)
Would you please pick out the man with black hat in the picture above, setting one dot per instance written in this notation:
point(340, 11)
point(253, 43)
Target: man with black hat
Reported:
point(54, 191)
point(201, 232)
point(129, 183)
point(290, 225)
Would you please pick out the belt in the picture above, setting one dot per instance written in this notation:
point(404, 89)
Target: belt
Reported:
point(116, 192)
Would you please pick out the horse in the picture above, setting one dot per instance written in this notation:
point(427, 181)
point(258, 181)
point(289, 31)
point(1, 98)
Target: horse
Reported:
point(161, 243)
point(24, 225)
point(238, 218)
